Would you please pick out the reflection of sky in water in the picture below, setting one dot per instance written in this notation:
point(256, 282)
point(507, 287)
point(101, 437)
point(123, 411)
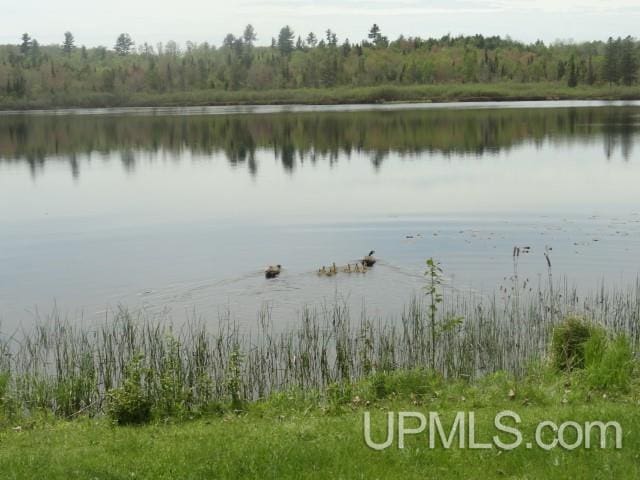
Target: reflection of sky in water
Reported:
point(191, 232)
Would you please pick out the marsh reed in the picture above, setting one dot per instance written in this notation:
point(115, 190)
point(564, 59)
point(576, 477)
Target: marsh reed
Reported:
point(68, 368)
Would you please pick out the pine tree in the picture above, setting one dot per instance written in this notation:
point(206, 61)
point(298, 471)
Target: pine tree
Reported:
point(628, 62)
point(610, 67)
point(312, 41)
point(374, 33)
point(572, 79)
point(591, 74)
point(376, 37)
point(123, 44)
point(285, 40)
point(68, 46)
point(249, 36)
point(26, 44)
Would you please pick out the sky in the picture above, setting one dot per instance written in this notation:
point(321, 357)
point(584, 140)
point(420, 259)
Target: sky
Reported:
point(99, 22)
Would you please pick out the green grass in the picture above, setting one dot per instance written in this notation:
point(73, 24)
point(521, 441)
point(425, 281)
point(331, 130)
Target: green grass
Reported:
point(292, 435)
point(328, 96)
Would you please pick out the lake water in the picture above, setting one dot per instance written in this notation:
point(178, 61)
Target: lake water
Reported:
point(176, 211)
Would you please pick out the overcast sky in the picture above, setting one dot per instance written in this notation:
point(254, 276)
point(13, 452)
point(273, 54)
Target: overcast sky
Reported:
point(98, 22)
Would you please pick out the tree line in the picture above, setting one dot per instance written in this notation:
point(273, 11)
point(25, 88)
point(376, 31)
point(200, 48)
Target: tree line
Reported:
point(31, 70)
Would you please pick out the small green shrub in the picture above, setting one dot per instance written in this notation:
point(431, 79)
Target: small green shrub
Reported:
point(568, 343)
point(173, 398)
point(609, 363)
point(130, 404)
point(233, 381)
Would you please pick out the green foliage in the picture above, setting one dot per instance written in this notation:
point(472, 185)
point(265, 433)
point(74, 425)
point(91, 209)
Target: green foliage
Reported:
point(572, 79)
point(124, 43)
point(434, 281)
point(285, 41)
point(339, 394)
point(379, 385)
point(68, 45)
point(609, 363)
point(433, 289)
point(173, 396)
point(70, 75)
point(130, 403)
point(233, 383)
point(8, 404)
point(568, 343)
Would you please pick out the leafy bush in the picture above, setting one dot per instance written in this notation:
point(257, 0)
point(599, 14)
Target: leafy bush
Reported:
point(130, 404)
point(568, 343)
point(233, 382)
point(609, 363)
point(173, 397)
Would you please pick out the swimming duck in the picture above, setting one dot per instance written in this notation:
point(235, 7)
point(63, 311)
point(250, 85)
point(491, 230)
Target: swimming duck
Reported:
point(272, 272)
point(368, 260)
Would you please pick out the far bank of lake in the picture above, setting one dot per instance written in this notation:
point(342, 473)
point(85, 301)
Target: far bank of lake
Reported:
point(448, 92)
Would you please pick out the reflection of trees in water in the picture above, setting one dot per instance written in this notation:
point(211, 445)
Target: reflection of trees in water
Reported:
point(619, 135)
point(300, 137)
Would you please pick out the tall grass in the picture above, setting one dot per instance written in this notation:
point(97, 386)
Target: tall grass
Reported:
point(68, 368)
point(445, 92)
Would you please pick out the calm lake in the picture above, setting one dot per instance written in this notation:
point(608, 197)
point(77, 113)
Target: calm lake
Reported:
point(177, 211)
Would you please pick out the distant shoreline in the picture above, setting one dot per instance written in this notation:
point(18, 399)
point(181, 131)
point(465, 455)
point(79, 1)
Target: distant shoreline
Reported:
point(440, 93)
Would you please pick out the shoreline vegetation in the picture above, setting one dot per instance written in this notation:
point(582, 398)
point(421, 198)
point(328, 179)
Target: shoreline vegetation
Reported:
point(305, 68)
point(442, 93)
point(70, 369)
point(140, 398)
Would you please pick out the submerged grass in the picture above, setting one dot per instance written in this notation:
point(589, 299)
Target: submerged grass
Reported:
point(69, 369)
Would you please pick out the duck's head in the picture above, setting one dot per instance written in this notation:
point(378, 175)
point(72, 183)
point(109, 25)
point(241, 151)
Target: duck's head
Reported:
point(372, 252)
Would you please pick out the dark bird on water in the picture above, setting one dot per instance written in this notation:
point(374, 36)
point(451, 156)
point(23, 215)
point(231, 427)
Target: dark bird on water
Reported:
point(272, 272)
point(369, 260)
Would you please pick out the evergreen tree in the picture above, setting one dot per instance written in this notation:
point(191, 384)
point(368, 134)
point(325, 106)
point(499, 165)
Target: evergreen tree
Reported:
point(572, 79)
point(610, 66)
point(628, 62)
point(229, 40)
point(68, 46)
point(249, 36)
point(374, 33)
point(285, 41)
point(376, 37)
point(560, 70)
point(312, 41)
point(591, 74)
point(26, 44)
point(34, 53)
point(123, 44)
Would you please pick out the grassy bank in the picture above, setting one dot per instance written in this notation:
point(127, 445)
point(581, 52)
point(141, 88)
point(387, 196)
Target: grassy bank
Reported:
point(331, 96)
point(299, 435)
point(137, 399)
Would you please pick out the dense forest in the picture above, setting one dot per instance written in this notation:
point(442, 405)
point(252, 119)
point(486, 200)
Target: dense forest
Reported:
point(29, 70)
